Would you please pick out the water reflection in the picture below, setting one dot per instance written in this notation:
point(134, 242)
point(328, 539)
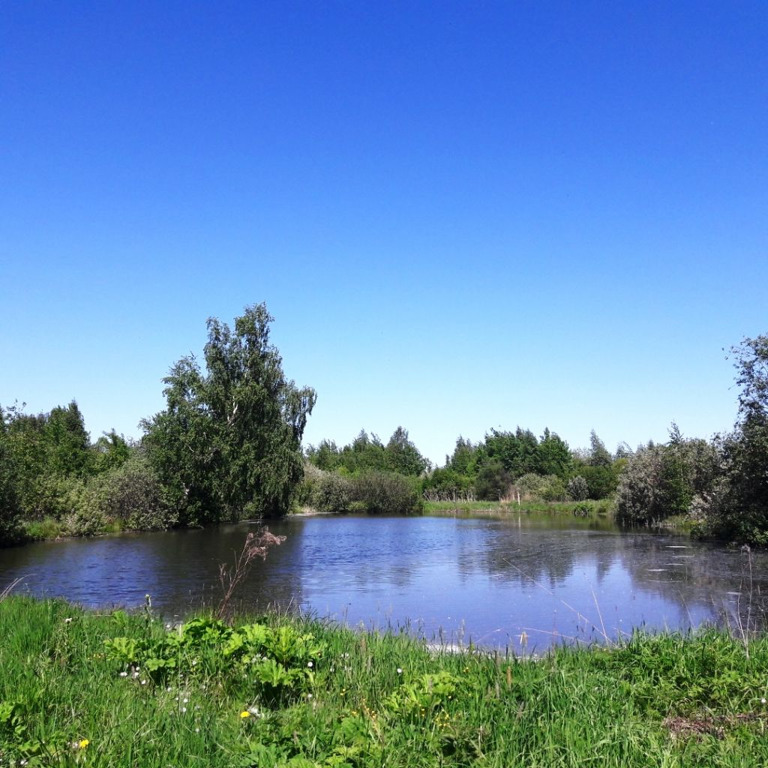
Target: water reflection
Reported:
point(458, 579)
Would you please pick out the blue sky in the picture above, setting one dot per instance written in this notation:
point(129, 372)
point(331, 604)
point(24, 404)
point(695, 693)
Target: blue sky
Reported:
point(462, 215)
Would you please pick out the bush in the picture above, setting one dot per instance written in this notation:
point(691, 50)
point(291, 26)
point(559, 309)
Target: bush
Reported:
point(386, 493)
point(577, 489)
point(446, 484)
point(493, 481)
point(332, 492)
point(10, 509)
point(129, 494)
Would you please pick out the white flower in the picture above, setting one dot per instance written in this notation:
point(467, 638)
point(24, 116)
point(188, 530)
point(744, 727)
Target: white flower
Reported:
point(123, 674)
point(399, 671)
point(310, 664)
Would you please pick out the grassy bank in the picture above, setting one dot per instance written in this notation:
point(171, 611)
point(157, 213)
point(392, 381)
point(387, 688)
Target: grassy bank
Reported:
point(507, 508)
point(110, 689)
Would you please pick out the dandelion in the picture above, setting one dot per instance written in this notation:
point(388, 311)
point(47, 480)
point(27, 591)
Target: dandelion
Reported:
point(399, 671)
point(197, 730)
point(310, 664)
point(762, 701)
point(183, 709)
point(123, 674)
point(83, 743)
point(68, 620)
point(254, 711)
point(143, 682)
point(245, 713)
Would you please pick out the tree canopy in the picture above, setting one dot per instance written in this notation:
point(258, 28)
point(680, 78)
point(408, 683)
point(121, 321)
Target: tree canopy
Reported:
point(227, 445)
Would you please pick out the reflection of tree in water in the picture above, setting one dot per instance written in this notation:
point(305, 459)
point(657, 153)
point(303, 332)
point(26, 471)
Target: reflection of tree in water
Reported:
point(188, 564)
point(524, 553)
point(731, 583)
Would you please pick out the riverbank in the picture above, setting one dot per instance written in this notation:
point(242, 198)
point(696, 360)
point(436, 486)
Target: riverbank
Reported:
point(503, 509)
point(111, 689)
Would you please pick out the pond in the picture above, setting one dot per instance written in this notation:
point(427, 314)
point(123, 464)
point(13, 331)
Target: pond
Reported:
point(523, 582)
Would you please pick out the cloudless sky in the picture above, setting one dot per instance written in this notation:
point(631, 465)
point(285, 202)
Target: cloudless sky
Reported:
point(462, 215)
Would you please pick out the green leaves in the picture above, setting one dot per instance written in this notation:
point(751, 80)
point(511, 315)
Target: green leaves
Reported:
point(228, 444)
point(279, 660)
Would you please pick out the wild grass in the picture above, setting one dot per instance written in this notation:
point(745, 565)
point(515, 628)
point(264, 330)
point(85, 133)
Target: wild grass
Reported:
point(507, 508)
point(112, 689)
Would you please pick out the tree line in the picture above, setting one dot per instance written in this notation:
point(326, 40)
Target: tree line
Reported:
point(504, 465)
point(720, 485)
point(227, 446)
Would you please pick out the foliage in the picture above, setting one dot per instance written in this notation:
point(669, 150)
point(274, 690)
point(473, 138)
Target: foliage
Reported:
point(366, 452)
point(493, 481)
point(577, 488)
point(50, 453)
point(117, 689)
point(661, 480)
point(333, 492)
point(553, 456)
point(386, 493)
point(402, 455)
point(228, 443)
point(446, 484)
point(129, 493)
point(539, 487)
point(736, 507)
point(516, 453)
point(10, 509)
point(111, 451)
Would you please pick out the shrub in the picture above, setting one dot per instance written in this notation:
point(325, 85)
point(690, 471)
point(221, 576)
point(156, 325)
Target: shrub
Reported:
point(386, 493)
point(332, 492)
point(446, 484)
point(129, 494)
point(493, 481)
point(577, 488)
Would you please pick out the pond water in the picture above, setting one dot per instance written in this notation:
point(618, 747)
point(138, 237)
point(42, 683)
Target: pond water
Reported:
point(523, 582)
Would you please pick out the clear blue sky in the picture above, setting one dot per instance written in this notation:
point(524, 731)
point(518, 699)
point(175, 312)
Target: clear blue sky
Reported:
point(462, 215)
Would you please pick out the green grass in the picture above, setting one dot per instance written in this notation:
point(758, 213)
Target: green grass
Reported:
point(507, 508)
point(110, 689)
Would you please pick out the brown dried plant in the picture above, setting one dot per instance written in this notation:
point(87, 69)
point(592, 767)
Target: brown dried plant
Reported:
point(231, 576)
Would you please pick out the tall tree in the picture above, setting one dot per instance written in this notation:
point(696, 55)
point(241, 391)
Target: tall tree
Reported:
point(738, 506)
point(10, 509)
point(403, 456)
point(228, 443)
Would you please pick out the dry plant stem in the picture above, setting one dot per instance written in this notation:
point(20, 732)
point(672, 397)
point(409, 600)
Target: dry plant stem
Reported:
point(578, 614)
point(7, 591)
point(230, 577)
point(745, 628)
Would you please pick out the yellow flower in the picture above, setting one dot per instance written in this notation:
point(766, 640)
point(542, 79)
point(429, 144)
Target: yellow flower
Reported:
point(83, 743)
point(245, 713)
